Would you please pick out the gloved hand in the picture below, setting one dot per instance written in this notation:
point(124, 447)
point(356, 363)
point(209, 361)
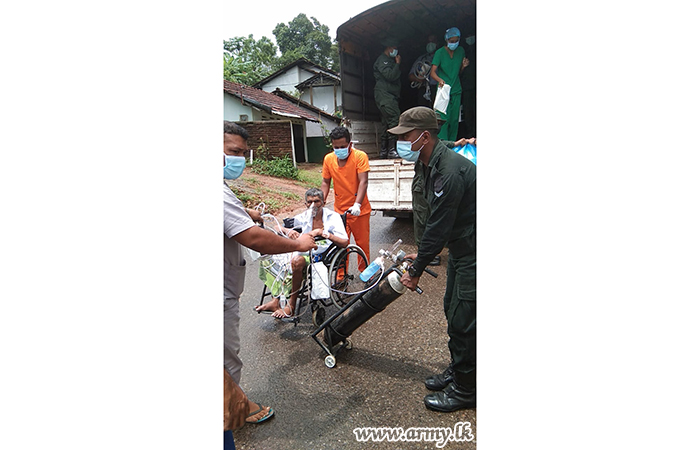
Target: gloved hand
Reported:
point(355, 210)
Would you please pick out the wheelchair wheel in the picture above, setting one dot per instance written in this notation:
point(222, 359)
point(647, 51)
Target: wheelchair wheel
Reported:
point(318, 316)
point(344, 274)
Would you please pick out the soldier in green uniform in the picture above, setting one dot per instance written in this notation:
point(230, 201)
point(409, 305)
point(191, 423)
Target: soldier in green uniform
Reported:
point(419, 204)
point(387, 91)
point(449, 188)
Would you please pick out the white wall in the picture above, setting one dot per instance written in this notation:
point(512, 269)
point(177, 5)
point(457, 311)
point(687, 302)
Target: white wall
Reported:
point(314, 129)
point(323, 97)
point(287, 80)
point(233, 108)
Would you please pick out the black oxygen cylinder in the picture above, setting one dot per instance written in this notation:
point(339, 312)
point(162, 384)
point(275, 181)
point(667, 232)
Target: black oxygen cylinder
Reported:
point(371, 302)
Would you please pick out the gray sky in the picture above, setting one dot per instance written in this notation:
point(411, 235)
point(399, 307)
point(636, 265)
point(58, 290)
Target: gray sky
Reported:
point(260, 18)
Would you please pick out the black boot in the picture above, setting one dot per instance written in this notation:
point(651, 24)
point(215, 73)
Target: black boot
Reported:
point(452, 398)
point(391, 154)
point(384, 150)
point(440, 381)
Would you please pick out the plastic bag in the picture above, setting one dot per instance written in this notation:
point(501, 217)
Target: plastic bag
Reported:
point(468, 151)
point(254, 255)
point(319, 281)
point(442, 98)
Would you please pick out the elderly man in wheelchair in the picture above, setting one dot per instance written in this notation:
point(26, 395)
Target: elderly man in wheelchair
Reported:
point(327, 228)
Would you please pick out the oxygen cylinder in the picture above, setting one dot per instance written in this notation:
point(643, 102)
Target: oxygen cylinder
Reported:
point(371, 302)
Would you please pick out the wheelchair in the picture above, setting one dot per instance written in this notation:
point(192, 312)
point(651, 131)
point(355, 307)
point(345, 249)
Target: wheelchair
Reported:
point(342, 281)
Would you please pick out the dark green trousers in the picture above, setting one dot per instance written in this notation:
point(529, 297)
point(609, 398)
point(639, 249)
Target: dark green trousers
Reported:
point(460, 310)
point(389, 109)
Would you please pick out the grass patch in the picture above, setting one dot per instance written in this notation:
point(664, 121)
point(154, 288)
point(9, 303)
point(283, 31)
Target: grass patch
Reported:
point(292, 196)
point(276, 167)
point(310, 176)
point(246, 198)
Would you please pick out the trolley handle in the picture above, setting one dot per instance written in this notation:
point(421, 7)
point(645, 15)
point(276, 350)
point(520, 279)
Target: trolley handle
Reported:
point(435, 275)
point(430, 272)
point(418, 288)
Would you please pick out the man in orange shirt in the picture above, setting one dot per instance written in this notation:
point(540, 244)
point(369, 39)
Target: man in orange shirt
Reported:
point(348, 167)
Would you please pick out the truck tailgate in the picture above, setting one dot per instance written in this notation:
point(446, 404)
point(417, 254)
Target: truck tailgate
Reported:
point(389, 184)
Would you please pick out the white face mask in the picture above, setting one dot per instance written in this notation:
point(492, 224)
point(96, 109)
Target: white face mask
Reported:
point(314, 210)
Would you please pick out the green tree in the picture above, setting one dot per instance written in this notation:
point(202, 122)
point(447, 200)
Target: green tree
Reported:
point(335, 56)
point(248, 61)
point(304, 38)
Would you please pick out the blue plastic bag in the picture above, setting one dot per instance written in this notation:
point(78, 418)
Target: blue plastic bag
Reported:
point(468, 151)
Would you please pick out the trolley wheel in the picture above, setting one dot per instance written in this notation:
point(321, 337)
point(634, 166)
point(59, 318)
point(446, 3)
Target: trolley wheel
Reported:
point(348, 344)
point(318, 316)
point(344, 274)
point(330, 361)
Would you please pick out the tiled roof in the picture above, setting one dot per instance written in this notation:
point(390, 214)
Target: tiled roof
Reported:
point(267, 101)
point(301, 61)
point(304, 104)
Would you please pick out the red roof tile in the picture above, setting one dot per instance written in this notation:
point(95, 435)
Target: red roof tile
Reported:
point(276, 105)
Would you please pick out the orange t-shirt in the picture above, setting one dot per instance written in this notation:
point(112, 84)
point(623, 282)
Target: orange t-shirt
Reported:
point(345, 182)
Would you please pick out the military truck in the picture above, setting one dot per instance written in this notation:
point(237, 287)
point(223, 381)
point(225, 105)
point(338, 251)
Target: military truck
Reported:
point(359, 41)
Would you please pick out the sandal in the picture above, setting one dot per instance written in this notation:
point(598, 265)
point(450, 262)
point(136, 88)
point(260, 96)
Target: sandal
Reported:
point(269, 414)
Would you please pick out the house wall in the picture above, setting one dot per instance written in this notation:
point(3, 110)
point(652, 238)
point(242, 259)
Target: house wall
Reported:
point(317, 149)
point(233, 109)
point(287, 80)
point(277, 136)
point(323, 97)
point(314, 129)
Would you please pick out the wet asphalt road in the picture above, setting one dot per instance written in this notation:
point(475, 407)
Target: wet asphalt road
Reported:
point(378, 383)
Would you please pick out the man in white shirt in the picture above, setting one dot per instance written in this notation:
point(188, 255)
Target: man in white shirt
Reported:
point(239, 229)
point(315, 221)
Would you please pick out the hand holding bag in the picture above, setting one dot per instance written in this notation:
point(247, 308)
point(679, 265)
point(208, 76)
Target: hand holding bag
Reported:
point(442, 98)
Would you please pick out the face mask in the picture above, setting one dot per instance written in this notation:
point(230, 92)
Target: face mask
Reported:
point(470, 40)
point(393, 53)
point(341, 153)
point(234, 166)
point(453, 46)
point(430, 48)
point(314, 209)
point(403, 148)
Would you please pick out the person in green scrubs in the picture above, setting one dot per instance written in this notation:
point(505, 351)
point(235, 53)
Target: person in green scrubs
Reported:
point(448, 63)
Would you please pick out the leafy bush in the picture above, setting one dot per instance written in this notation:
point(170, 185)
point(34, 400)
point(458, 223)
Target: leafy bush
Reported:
point(276, 167)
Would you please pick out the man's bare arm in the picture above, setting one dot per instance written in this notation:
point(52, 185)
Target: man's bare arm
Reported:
point(363, 177)
point(325, 188)
point(269, 243)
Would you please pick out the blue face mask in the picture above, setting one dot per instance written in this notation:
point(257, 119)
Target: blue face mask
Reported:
point(403, 148)
point(393, 53)
point(453, 46)
point(342, 153)
point(470, 40)
point(234, 166)
point(430, 48)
